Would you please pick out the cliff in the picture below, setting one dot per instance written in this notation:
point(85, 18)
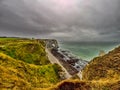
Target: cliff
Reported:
point(24, 65)
point(29, 51)
point(102, 73)
point(51, 43)
point(106, 66)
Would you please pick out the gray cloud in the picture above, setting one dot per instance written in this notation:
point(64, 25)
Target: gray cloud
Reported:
point(76, 20)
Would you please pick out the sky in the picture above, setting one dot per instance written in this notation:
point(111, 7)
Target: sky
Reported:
point(65, 20)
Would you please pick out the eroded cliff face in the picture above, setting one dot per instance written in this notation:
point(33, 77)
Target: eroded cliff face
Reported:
point(73, 85)
point(51, 43)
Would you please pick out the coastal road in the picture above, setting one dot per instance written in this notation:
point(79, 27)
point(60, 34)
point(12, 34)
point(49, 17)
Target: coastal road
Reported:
point(54, 60)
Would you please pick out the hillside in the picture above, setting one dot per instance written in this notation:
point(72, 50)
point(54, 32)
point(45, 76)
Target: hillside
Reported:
point(30, 51)
point(107, 66)
point(102, 73)
point(72, 85)
point(18, 74)
point(24, 65)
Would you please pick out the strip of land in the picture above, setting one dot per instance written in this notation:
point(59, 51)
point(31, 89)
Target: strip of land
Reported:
point(54, 60)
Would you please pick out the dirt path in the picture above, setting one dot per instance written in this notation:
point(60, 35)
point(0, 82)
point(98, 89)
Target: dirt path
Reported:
point(54, 60)
point(80, 75)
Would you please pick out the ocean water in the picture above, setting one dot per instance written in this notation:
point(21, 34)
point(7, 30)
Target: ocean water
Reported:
point(88, 50)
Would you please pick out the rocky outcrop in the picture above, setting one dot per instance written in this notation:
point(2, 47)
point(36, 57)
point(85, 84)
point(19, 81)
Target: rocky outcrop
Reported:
point(73, 85)
point(51, 43)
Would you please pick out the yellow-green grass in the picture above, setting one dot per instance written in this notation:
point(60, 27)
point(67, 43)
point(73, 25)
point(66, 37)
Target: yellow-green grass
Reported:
point(18, 74)
point(24, 65)
point(10, 38)
point(30, 51)
point(102, 73)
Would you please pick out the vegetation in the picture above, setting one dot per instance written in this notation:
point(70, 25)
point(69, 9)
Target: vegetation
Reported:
point(72, 85)
point(107, 66)
point(10, 38)
point(18, 74)
point(24, 65)
point(104, 71)
point(30, 51)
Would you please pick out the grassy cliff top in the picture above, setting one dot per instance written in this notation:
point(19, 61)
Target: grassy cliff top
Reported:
point(102, 73)
point(104, 67)
point(24, 65)
point(30, 51)
point(18, 74)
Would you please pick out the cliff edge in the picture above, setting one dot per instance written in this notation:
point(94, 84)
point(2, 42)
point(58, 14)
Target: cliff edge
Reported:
point(102, 73)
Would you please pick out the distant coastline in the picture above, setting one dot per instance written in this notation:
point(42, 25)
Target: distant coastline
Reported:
point(84, 50)
point(88, 50)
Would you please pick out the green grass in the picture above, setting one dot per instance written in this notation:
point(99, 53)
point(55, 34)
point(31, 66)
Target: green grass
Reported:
point(10, 38)
point(20, 74)
point(29, 51)
point(107, 66)
point(102, 73)
point(24, 65)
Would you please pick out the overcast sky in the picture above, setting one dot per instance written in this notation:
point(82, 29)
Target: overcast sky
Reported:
point(65, 20)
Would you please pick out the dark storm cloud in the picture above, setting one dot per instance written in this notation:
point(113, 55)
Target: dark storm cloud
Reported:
point(16, 17)
point(77, 20)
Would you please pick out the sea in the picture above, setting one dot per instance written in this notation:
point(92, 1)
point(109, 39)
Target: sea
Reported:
point(88, 50)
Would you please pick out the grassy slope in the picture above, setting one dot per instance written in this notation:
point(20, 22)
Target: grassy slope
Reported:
point(18, 73)
point(24, 65)
point(3, 38)
point(102, 73)
point(30, 51)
